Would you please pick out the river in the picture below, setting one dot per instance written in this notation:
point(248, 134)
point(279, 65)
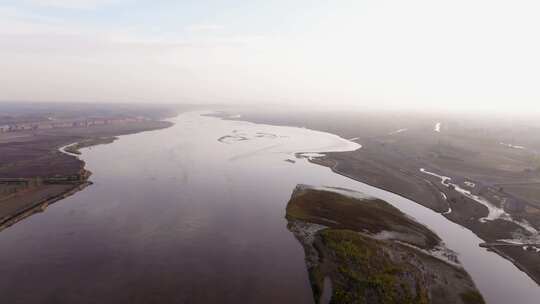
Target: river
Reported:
point(195, 214)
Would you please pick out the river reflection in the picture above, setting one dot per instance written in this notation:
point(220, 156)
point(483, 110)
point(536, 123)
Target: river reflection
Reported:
point(195, 214)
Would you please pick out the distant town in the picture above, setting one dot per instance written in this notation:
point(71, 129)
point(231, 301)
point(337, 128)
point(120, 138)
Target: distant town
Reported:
point(52, 123)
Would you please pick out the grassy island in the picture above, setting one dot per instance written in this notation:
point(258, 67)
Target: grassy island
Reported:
point(361, 249)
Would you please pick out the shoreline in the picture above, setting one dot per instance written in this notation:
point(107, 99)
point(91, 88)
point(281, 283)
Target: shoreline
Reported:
point(512, 260)
point(72, 150)
point(40, 206)
point(521, 267)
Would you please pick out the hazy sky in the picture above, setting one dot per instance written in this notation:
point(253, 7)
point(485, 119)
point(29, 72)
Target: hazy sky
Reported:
point(481, 54)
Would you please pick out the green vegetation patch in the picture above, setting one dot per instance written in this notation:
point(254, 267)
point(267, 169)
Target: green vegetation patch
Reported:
point(366, 269)
point(364, 273)
point(472, 297)
point(339, 211)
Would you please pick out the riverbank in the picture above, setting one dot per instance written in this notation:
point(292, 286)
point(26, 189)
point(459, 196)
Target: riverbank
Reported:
point(522, 258)
point(37, 206)
point(36, 173)
point(464, 212)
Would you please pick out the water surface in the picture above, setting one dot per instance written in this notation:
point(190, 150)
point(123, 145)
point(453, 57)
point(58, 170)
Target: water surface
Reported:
point(180, 216)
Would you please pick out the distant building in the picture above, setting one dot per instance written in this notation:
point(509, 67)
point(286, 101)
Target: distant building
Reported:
point(69, 123)
point(62, 125)
point(22, 127)
point(43, 126)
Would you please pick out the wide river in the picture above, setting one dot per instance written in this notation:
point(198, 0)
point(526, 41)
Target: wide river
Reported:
point(195, 214)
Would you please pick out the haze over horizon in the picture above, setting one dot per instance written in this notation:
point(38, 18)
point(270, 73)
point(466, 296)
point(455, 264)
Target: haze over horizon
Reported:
point(459, 55)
